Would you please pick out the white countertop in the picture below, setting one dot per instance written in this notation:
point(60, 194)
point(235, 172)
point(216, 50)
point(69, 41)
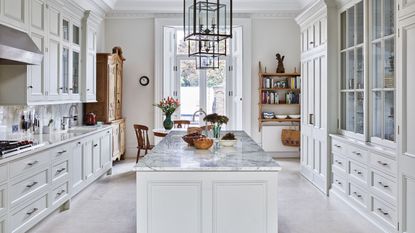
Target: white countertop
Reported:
point(173, 154)
point(46, 141)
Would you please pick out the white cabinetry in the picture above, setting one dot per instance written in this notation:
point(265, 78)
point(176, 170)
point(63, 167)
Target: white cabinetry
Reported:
point(66, 36)
point(406, 108)
point(89, 40)
point(316, 64)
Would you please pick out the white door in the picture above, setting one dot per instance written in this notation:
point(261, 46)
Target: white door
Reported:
point(406, 108)
point(314, 156)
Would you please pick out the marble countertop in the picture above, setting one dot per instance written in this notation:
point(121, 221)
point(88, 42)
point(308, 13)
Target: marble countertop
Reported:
point(53, 139)
point(173, 154)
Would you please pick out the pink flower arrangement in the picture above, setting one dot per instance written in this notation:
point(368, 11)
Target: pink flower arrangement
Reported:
point(169, 105)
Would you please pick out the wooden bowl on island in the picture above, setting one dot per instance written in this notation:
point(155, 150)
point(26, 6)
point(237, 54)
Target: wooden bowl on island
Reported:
point(203, 143)
point(189, 138)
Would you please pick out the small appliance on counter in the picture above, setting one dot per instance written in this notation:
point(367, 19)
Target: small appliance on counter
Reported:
point(90, 119)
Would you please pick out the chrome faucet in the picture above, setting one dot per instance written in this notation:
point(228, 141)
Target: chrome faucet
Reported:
point(200, 111)
point(73, 116)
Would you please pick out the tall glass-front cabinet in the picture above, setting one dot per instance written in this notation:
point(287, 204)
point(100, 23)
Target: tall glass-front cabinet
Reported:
point(364, 152)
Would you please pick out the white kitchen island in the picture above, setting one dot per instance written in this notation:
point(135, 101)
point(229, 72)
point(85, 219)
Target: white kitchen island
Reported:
point(221, 190)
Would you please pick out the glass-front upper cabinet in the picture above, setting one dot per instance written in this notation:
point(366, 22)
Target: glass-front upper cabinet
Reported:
point(352, 69)
point(65, 71)
point(382, 73)
point(75, 72)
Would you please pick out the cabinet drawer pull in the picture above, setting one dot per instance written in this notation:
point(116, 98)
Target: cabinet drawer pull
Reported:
point(384, 185)
point(62, 152)
point(60, 170)
point(383, 212)
point(358, 172)
point(337, 146)
point(31, 185)
point(60, 192)
point(357, 153)
point(338, 162)
point(33, 163)
point(338, 182)
point(32, 211)
point(357, 195)
point(382, 163)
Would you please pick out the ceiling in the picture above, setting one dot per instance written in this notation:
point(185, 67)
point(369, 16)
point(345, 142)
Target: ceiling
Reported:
point(176, 6)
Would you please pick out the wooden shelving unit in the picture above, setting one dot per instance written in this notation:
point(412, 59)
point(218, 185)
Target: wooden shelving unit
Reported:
point(276, 108)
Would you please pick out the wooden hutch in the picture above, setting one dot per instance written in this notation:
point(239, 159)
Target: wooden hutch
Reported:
point(108, 107)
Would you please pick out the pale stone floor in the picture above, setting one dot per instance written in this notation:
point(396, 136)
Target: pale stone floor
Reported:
point(108, 206)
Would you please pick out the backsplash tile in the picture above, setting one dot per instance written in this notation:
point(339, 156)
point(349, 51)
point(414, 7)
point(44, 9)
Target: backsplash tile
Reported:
point(11, 115)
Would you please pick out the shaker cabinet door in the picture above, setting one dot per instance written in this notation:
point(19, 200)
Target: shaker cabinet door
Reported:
point(77, 174)
point(15, 13)
point(106, 143)
point(36, 83)
point(112, 75)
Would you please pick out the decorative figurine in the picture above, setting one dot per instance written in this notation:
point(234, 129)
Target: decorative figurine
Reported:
point(280, 64)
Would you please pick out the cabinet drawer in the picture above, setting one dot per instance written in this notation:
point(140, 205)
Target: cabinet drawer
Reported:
point(340, 162)
point(359, 195)
point(59, 170)
point(3, 173)
point(384, 211)
point(383, 164)
point(359, 172)
point(339, 147)
point(340, 182)
point(22, 217)
point(3, 199)
point(21, 189)
point(384, 186)
point(59, 193)
point(26, 164)
point(357, 154)
point(60, 152)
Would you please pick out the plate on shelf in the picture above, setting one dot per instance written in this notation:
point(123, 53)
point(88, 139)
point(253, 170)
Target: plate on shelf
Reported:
point(281, 116)
point(294, 116)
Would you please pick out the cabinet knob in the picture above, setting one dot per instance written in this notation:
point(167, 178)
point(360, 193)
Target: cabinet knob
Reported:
point(311, 42)
point(95, 145)
point(88, 89)
point(30, 87)
point(382, 163)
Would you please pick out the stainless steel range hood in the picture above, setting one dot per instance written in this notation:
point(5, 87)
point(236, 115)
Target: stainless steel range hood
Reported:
point(17, 48)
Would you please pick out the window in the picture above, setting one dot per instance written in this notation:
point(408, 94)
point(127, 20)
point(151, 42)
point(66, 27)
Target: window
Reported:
point(377, 80)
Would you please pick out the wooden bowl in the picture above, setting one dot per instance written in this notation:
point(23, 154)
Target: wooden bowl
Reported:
point(203, 143)
point(191, 137)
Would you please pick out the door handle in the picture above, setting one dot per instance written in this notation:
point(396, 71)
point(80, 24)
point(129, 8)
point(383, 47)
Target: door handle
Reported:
point(311, 119)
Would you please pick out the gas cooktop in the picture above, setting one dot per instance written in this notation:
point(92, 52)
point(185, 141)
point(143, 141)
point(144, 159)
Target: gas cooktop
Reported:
point(9, 147)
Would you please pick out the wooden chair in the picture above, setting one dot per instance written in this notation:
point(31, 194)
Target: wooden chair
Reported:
point(143, 143)
point(181, 124)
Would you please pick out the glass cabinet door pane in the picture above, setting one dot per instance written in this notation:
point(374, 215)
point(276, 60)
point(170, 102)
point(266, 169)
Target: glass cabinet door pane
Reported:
point(347, 114)
point(350, 69)
point(359, 23)
point(75, 72)
point(376, 19)
point(65, 28)
point(389, 115)
point(343, 71)
point(65, 71)
point(343, 23)
point(388, 17)
point(359, 112)
point(389, 63)
point(75, 35)
point(377, 114)
point(359, 69)
point(377, 65)
point(350, 27)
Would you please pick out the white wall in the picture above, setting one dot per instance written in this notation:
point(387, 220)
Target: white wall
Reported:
point(269, 37)
point(136, 37)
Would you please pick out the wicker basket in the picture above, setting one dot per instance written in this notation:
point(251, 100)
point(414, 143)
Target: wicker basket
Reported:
point(291, 137)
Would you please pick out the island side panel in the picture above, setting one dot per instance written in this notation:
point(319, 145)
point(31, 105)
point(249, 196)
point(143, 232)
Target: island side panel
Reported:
point(205, 202)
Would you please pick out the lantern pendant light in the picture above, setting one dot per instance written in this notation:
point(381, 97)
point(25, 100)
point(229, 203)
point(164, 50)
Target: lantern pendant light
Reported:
point(207, 26)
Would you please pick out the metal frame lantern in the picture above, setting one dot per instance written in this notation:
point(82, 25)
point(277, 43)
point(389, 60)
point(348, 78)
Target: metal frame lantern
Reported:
point(207, 25)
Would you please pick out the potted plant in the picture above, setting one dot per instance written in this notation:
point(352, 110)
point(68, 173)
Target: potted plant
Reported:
point(217, 121)
point(168, 106)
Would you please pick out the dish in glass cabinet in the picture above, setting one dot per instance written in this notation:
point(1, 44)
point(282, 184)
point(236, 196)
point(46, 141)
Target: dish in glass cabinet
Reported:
point(281, 116)
point(294, 116)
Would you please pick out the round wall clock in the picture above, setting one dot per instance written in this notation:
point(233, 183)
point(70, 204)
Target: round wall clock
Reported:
point(144, 80)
